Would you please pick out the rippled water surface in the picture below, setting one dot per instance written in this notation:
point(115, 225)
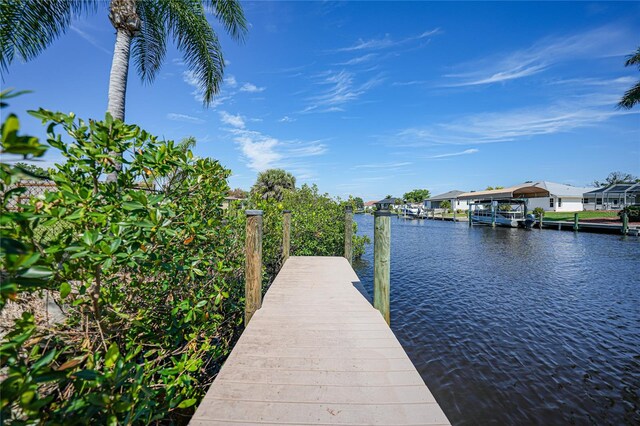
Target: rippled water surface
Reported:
point(509, 326)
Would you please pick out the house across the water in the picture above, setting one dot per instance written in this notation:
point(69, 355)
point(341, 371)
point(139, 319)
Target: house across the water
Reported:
point(612, 197)
point(451, 196)
point(562, 198)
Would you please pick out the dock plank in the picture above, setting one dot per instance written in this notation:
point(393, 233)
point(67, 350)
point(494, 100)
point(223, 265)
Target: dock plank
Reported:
point(317, 353)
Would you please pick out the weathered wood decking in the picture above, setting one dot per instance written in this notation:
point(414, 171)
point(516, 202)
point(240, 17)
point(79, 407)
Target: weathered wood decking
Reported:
point(318, 353)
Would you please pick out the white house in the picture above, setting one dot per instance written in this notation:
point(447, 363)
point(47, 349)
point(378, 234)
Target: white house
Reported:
point(451, 196)
point(562, 198)
point(612, 197)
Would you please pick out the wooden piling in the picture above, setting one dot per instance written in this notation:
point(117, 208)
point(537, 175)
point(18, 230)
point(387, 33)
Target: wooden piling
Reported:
point(575, 222)
point(348, 234)
point(493, 215)
point(625, 223)
point(470, 214)
point(286, 235)
point(382, 262)
point(253, 264)
point(541, 218)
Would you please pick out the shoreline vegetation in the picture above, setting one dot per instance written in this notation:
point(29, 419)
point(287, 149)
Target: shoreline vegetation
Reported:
point(145, 274)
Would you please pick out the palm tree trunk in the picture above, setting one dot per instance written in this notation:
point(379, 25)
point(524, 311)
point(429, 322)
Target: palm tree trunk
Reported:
point(125, 20)
point(118, 76)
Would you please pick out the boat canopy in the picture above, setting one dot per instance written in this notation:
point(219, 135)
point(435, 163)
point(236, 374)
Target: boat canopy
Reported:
point(513, 192)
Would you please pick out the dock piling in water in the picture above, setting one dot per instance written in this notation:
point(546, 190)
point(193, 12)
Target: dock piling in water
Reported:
point(382, 262)
point(625, 223)
point(348, 234)
point(541, 218)
point(253, 264)
point(575, 222)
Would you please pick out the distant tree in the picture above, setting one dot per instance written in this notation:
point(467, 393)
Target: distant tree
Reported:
point(359, 202)
point(417, 195)
point(33, 170)
point(632, 96)
point(272, 184)
point(616, 177)
point(238, 193)
point(491, 188)
point(388, 196)
point(446, 204)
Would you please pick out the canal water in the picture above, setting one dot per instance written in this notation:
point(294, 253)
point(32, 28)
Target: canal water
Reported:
point(517, 327)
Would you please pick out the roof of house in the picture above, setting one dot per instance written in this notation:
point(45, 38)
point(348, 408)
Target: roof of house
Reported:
point(524, 190)
point(618, 188)
point(562, 190)
point(446, 196)
point(387, 201)
point(370, 203)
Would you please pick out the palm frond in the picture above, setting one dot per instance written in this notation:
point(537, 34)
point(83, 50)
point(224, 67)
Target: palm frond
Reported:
point(631, 97)
point(150, 43)
point(27, 27)
point(633, 59)
point(230, 13)
point(198, 42)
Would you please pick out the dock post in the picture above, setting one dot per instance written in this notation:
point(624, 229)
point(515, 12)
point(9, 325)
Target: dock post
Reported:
point(625, 223)
point(382, 262)
point(286, 235)
point(575, 221)
point(253, 265)
point(493, 215)
point(348, 234)
point(541, 218)
point(470, 213)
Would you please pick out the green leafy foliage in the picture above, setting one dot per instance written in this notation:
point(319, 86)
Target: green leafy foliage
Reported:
point(417, 195)
point(149, 279)
point(446, 204)
point(147, 269)
point(272, 184)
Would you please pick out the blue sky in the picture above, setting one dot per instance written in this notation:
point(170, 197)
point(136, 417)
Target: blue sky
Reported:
point(377, 98)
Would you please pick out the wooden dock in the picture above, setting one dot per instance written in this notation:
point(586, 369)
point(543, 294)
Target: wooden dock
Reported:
point(317, 353)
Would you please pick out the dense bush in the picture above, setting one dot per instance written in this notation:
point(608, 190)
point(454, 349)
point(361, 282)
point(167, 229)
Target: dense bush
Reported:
point(633, 212)
point(148, 271)
point(317, 226)
point(149, 280)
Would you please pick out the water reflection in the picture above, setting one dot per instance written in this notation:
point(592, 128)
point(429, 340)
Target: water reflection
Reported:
point(511, 326)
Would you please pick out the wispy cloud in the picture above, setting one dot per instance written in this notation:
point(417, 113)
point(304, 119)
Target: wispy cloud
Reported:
point(359, 59)
point(504, 126)
point(341, 89)
point(262, 152)
point(251, 88)
point(90, 39)
point(382, 165)
point(232, 120)
point(231, 81)
point(385, 42)
point(286, 119)
point(540, 56)
point(455, 154)
point(185, 118)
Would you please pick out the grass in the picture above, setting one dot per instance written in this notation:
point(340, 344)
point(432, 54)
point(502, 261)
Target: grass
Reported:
point(568, 216)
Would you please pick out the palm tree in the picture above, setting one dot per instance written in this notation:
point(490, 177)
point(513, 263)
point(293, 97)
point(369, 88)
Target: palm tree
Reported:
point(273, 183)
point(632, 96)
point(27, 27)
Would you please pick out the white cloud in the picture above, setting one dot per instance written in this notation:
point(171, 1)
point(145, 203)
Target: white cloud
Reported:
point(504, 126)
point(386, 42)
point(231, 81)
point(232, 120)
point(185, 118)
point(251, 88)
point(382, 165)
point(286, 119)
point(540, 56)
point(190, 78)
point(341, 90)
point(359, 59)
point(455, 154)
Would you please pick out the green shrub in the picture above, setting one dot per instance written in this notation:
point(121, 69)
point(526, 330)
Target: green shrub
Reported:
point(538, 211)
point(150, 280)
point(633, 212)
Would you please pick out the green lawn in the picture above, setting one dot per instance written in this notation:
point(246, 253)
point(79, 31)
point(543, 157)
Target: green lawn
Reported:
point(581, 215)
